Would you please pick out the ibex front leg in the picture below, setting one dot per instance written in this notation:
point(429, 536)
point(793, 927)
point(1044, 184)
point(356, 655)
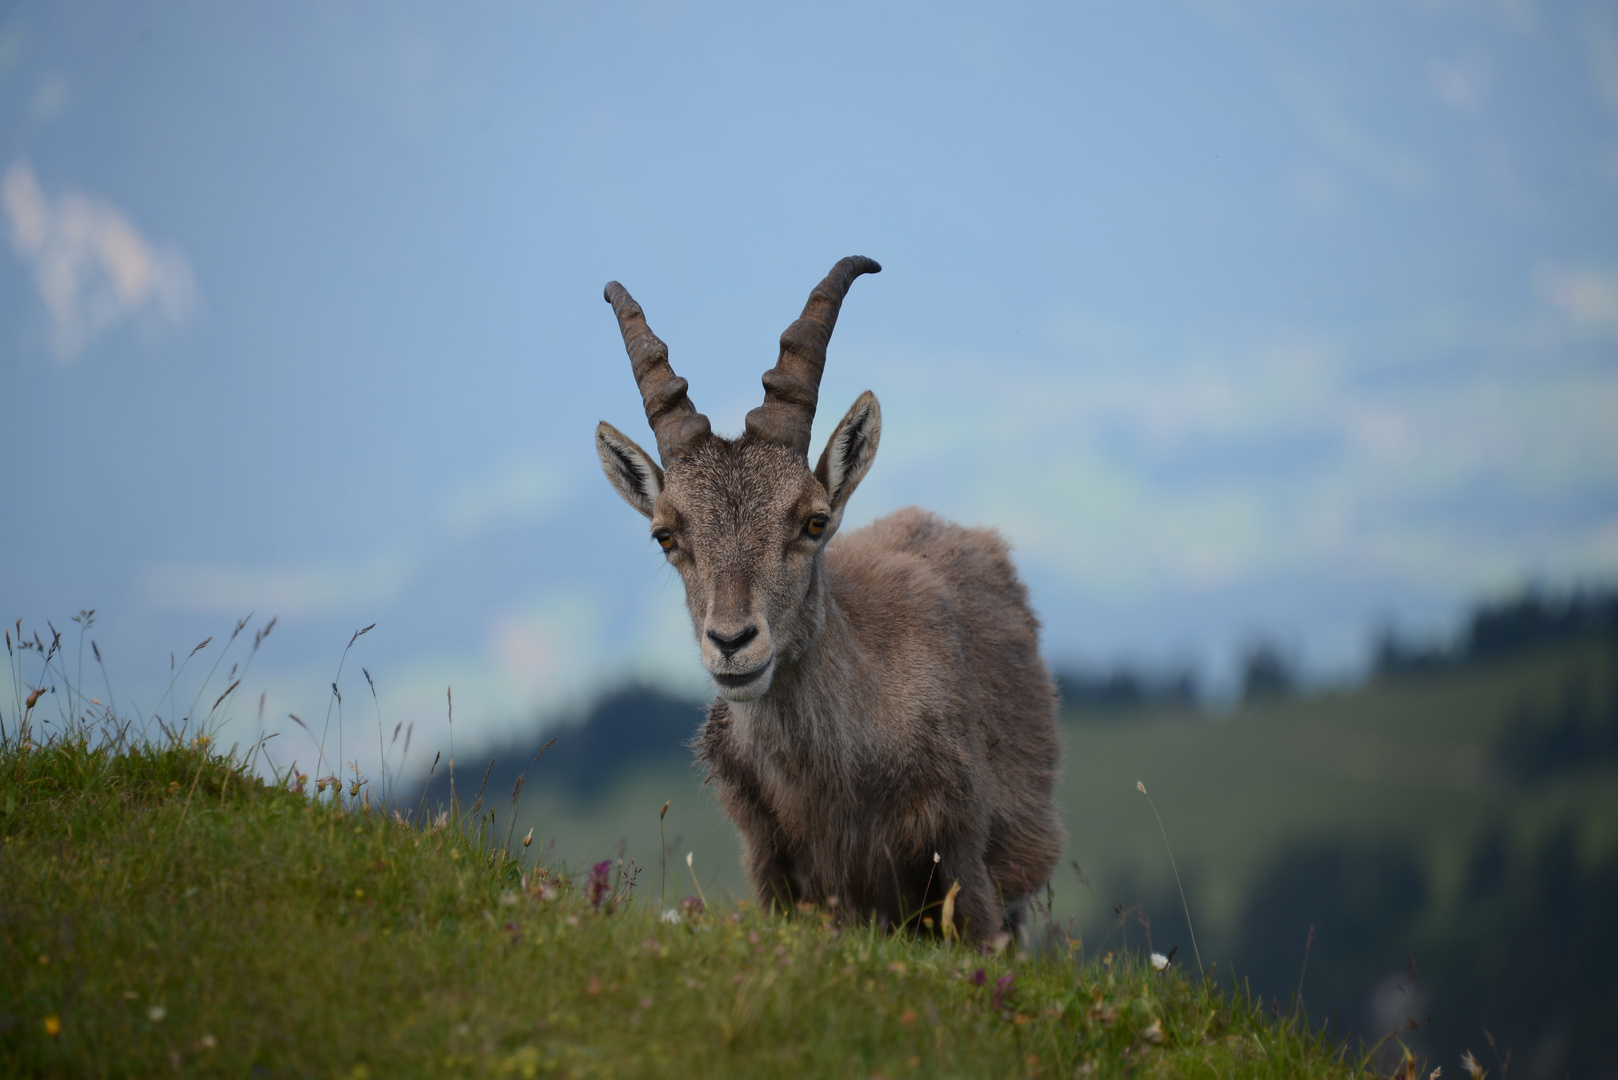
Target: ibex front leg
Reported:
point(768, 868)
point(977, 914)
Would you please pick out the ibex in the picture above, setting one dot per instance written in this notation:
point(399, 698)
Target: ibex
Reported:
point(881, 699)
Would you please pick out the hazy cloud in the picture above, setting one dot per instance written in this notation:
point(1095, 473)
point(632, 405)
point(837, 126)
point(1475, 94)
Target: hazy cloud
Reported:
point(93, 267)
point(1338, 134)
point(1315, 186)
point(1462, 84)
point(51, 99)
point(232, 590)
point(1601, 43)
point(519, 491)
point(1588, 298)
point(400, 69)
point(1145, 464)
point(10, 50)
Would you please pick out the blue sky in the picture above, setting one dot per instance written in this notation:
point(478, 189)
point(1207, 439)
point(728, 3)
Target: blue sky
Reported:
point(1238, 319)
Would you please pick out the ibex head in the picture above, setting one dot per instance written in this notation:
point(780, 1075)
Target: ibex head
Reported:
point(745, 521)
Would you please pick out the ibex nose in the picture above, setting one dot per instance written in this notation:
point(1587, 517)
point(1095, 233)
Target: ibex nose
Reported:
point(733, 644)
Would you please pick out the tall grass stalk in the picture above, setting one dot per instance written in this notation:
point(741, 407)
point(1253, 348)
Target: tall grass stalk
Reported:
point(662, 856)
point(337, 698)
point(1141, 787)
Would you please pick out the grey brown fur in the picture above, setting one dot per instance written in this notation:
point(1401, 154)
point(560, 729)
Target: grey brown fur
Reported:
point(882, 697)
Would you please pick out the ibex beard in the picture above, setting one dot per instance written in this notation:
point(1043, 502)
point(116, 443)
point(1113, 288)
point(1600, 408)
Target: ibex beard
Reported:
point(885, 727)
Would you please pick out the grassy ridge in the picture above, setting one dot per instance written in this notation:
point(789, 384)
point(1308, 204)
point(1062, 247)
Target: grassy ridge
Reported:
point(1466, 816)
point(1418, 758)
point(161, 911)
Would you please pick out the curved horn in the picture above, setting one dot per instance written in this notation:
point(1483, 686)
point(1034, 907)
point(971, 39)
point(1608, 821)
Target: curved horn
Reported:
point(675, 421)
point(792, 386)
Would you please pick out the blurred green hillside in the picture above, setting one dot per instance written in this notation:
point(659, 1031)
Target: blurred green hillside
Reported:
point(1454, 819)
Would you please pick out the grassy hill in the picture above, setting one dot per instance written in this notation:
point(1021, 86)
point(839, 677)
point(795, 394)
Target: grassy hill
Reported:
point(163, 912)
point(1434, 851)
point(1463, 816)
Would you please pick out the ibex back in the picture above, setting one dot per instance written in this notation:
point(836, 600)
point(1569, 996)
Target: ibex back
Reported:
point(881, 699)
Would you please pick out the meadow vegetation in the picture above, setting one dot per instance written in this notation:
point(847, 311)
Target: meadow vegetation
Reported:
point(1435, 845)
point(165, 910)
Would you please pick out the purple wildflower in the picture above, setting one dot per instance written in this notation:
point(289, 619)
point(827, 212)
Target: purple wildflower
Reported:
point(1002, 989)
point(600, 883)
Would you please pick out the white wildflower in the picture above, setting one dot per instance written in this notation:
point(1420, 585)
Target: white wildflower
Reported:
point(1159, 961)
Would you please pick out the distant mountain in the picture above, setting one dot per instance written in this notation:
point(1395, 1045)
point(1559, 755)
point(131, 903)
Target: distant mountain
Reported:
point(629, 727)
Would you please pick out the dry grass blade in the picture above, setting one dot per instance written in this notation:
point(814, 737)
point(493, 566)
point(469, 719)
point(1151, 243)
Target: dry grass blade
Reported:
point(516, 793)
point(1308, 943)
point(1141, 787)
point(922, 911)
point(690, 856)
point(477, 803)
point(946, 917)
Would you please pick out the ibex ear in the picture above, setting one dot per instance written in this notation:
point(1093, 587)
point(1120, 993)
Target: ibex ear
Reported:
point(850, 451)
point(630, 469)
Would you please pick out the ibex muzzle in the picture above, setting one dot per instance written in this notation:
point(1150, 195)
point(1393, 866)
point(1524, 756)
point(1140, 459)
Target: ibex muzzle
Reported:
point(883, 708)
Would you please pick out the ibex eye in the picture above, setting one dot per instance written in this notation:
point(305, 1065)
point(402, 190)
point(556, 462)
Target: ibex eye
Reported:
point(664, 538)
point(815, 525)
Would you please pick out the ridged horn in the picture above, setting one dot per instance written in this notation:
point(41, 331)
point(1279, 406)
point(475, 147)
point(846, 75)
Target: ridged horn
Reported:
point(792, 386)
point(675, 421)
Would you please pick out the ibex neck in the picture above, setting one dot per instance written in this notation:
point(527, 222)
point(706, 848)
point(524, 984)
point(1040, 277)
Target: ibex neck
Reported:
point(819, 701)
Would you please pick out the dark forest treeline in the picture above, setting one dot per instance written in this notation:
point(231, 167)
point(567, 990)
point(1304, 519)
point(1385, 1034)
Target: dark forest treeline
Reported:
point(1505, 628)
point(1528, 954)
point(640, 725)
point(1493, 631)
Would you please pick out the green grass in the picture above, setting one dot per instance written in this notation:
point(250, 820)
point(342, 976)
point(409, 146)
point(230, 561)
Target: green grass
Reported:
point(1372, 813)
point(1411, 759)
point(1406, 758)
point(162, 911)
